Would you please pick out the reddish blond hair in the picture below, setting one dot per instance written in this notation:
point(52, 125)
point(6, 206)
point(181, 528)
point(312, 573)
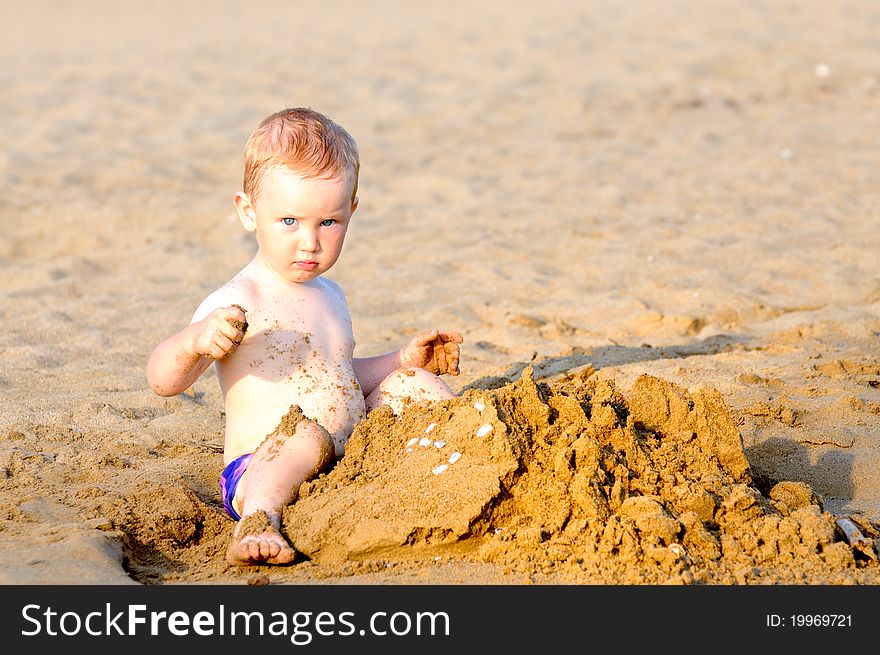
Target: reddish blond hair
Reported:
point(303, 140)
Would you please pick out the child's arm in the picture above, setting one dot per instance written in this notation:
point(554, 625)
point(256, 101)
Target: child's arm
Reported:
point(435, 351)
point(179, 360)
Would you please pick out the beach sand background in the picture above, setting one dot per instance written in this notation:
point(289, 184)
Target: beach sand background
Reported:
point(589, 192)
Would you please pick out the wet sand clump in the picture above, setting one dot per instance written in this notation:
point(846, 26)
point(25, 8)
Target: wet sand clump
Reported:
point(255, 524)
point(287, 424)
point(239, 325)
point(570, 478)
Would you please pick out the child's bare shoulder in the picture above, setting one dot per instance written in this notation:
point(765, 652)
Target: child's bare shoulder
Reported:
point(334, 287)
point(241, 290)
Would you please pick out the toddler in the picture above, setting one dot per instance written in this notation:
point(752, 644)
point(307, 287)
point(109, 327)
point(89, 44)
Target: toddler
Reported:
point(281, 335)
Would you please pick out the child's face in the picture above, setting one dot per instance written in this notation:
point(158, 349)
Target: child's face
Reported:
point(300, 223)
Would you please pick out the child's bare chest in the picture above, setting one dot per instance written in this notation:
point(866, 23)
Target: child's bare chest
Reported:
point(313, 322)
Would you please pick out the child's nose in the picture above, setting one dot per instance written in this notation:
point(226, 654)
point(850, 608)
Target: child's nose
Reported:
point(308, 240)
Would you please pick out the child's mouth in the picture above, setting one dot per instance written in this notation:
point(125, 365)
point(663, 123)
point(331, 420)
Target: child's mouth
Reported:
point(305, 266)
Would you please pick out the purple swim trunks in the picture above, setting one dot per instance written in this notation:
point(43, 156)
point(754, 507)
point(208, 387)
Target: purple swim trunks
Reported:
point(229, 481)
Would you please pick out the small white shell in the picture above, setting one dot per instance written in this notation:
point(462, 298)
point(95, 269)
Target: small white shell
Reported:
point(479, 406)
point(454, 457)
point(430, 427)
point(412, 442)
point(439, 444)
point(484, 430)
point(678, 549)
point(437, 470)
point(425, 441)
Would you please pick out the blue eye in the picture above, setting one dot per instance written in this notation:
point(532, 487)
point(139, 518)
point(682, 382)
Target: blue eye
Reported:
point(288, 221)
point(327, 222)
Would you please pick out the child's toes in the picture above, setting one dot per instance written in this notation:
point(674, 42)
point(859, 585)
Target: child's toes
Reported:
point(285, 555)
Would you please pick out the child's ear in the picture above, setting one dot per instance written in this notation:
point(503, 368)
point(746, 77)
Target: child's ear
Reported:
point(354, 204)
point(246, 212)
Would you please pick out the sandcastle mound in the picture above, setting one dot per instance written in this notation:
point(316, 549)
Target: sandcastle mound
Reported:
point(573, 477)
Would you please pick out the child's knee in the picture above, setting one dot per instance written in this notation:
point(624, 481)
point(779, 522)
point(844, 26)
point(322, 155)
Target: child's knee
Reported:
point(418, 382)
point(315, 433)
point(406, 385)
point(414, 377)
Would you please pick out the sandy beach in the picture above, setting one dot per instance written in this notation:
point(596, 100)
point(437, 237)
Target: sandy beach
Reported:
point(656, 226)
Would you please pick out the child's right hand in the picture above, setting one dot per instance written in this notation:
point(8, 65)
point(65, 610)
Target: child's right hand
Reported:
point(221, 332)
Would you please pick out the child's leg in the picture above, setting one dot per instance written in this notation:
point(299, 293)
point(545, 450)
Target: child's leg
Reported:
point(406, 385)
point(271, 482)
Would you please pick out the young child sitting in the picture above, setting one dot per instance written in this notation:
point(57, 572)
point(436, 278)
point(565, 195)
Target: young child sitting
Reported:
point(281, 334)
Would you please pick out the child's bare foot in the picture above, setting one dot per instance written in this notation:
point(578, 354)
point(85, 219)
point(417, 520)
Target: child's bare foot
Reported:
point(256, 540)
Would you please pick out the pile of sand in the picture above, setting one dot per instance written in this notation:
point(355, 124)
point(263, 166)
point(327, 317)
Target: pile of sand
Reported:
point(571, 478)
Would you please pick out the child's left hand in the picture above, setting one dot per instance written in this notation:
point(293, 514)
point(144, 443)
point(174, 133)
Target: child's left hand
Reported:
point(435, 351)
